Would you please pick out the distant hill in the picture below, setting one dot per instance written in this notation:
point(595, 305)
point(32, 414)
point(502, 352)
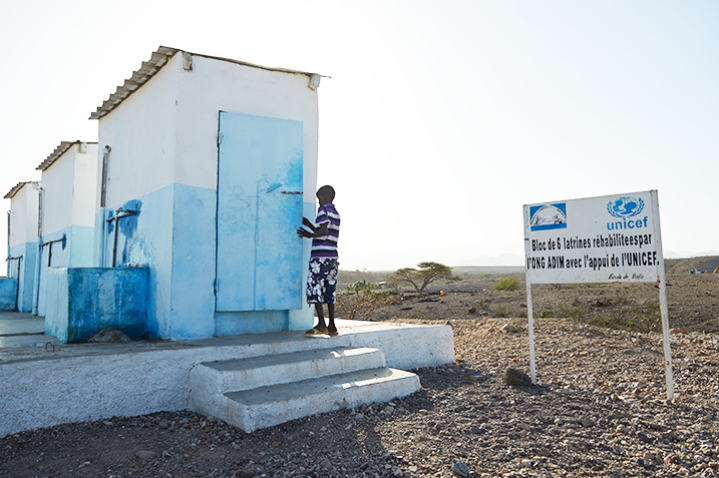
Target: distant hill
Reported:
point(683, 266)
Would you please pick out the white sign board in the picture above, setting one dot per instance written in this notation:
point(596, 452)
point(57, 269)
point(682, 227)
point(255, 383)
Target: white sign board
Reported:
point(601, 239)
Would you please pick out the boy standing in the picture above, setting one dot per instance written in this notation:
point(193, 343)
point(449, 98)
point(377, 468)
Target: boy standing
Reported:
point(324, 265)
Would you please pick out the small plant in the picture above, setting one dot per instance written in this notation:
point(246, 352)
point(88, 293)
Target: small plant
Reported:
point(546, 313)
point(508, 283)
point(361, 300)
point(482, 303)
point(500, 311)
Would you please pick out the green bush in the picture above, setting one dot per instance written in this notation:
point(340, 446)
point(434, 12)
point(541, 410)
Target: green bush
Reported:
point(360, 300)
point(508, 283)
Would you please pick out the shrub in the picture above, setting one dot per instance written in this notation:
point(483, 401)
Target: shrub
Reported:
point(508, 283)
point(500, 311)
point(361, 300)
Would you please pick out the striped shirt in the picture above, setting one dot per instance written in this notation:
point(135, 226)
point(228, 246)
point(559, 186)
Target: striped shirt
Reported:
point(326, 246)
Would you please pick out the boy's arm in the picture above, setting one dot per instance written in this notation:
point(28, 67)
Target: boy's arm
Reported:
point(306, 222)
point(319, 231)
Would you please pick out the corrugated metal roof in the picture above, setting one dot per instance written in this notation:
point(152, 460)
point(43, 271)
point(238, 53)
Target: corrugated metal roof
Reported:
point(159, 59)
point(59, 151)
point(17, 188)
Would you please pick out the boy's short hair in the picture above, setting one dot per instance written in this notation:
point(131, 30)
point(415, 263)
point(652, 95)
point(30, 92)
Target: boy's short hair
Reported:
point(329, 190)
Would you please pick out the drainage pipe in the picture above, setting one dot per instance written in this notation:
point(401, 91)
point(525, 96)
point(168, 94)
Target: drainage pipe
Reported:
point(17, 281)
point(103, 196)
point(38, 267)
point(119, 214)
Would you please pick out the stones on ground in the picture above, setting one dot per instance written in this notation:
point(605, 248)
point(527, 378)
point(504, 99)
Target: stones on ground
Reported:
point(509, 329)
point(516, 378)
point(543, 451)
point(145, 454)
point(585, 421)
point(460, 468)
point(326, 463)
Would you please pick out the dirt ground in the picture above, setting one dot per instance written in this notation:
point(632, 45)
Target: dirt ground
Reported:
point(693, 301)
point(600, 408)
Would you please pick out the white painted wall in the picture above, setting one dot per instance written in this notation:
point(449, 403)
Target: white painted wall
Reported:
point(168, 128)
point(23, 215)
point(214, 85)
point(84, 185)
point(57, 183)
point(142, 135)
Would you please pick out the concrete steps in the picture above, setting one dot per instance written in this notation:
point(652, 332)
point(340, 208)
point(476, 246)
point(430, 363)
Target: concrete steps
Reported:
point(264, 391)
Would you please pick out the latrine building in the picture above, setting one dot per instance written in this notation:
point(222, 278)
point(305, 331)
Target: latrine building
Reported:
point(22, 242)
point(206, 167)
point(66, 212)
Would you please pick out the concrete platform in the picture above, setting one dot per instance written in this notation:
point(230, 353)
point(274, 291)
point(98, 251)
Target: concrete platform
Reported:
point(73, 383)
point(20, 329)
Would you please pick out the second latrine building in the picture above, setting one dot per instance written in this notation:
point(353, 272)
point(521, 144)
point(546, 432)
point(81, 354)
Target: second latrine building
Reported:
point(66, 212)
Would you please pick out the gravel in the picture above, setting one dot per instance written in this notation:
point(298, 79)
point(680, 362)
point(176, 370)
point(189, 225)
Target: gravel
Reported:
point(600, 410)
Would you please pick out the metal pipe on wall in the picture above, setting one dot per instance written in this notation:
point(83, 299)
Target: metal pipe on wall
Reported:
point(103, 197)
point(119, 214)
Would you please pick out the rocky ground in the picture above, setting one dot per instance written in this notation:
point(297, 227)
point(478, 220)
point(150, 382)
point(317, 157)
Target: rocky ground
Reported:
point(600, 409)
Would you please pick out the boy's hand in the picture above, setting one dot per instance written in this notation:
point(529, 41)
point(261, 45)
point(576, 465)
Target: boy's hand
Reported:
point(303, 233)
point(307, 223)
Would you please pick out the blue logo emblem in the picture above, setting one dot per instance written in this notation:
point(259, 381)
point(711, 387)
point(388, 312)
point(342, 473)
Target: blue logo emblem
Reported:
point(548, 216)
point(625, 206)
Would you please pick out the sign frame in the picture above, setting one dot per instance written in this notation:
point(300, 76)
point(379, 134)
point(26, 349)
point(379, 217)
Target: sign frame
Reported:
point(554, 216)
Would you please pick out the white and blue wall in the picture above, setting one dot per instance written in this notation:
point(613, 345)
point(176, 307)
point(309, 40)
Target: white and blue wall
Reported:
point(23, 242)
point(163, 166)
point(67, 216)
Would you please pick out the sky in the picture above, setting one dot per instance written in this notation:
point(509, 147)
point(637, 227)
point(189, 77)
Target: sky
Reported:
point(440, 119)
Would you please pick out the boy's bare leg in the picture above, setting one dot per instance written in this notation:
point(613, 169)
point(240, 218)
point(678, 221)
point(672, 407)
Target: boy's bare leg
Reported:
point(321, 325)
point(331, 311)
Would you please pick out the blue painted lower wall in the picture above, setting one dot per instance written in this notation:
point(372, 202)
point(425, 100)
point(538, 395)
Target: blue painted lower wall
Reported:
point(81, 243)
point(27, 252)
point(7, 293)
point(173, 234)
point(75, 252)
point(83, 301)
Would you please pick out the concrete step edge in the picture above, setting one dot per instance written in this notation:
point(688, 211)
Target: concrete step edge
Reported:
point(246, 374)
point(268, 406)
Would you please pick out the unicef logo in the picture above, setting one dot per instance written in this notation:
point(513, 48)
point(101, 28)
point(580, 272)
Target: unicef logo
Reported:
point(625, 206)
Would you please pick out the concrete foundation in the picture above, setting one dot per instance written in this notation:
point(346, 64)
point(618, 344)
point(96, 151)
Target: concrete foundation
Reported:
point(76, 383)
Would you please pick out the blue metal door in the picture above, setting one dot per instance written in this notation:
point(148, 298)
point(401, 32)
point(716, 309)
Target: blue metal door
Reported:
point(259, 208)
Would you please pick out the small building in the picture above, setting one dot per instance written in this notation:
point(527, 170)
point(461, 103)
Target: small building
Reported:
point(66, 212)
point(22, 241)
point(207, 166)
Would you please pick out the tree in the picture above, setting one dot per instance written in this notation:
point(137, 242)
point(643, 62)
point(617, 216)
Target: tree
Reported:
point(425, 274)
